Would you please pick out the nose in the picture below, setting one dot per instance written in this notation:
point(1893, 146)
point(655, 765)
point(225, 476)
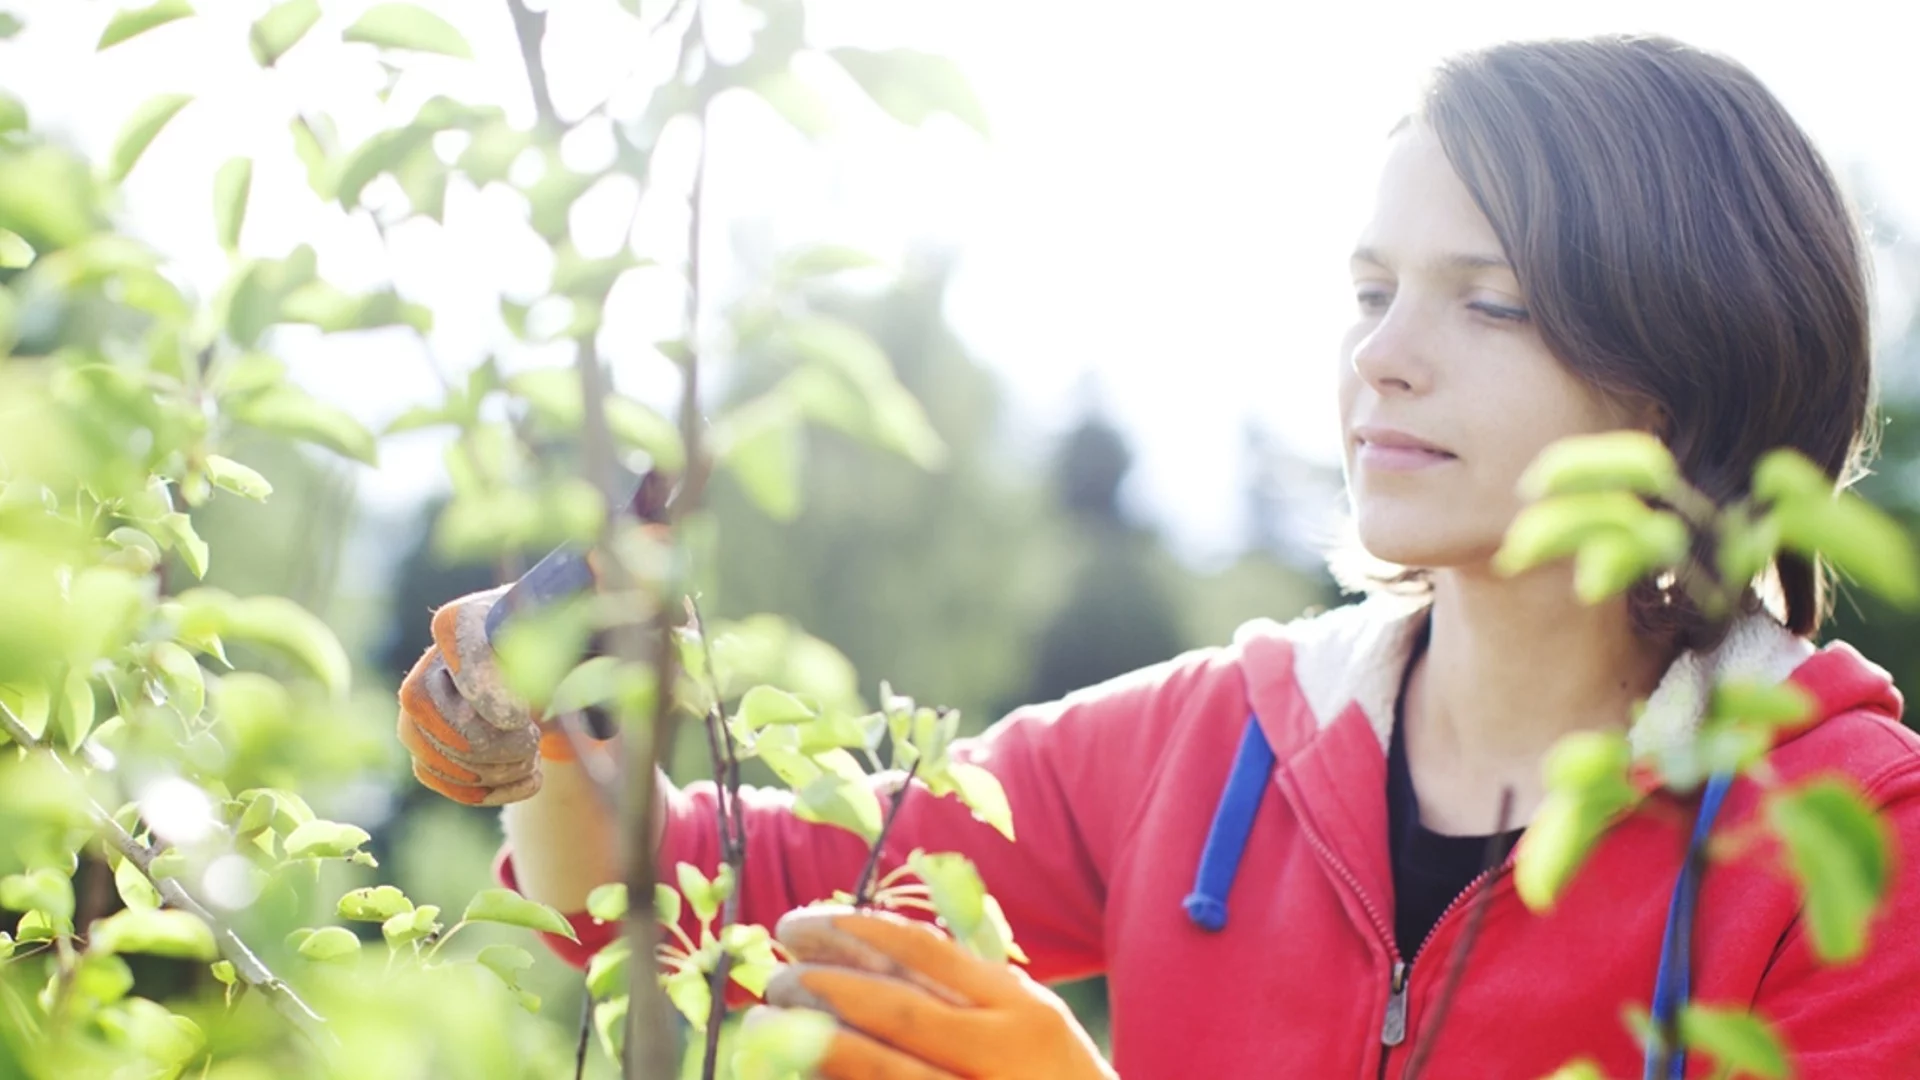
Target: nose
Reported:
point(1389, 355)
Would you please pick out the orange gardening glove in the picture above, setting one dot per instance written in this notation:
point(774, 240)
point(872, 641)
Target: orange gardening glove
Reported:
point(913, 1005)
point(470, 738)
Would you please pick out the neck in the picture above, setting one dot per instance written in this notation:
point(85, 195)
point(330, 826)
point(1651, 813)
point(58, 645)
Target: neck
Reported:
point(1513, 664)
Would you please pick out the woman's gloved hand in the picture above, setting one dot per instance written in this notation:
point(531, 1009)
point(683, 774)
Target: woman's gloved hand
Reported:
point(913, 1005)
point(470, 738)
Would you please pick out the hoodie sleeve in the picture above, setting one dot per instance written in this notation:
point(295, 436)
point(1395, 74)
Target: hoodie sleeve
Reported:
point(1857, 1018)
point(1074, 771)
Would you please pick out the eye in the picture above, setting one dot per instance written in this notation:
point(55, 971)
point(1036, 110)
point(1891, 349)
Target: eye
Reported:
point(1372, 299)
point(1501, 312)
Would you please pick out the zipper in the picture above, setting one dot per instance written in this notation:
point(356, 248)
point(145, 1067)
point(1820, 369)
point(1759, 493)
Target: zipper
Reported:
point(1393, 1030)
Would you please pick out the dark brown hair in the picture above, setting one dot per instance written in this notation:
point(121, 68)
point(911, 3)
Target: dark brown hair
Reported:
point(1682, 245)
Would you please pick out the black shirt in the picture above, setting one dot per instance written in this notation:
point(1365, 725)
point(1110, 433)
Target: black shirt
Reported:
point(1430, 870)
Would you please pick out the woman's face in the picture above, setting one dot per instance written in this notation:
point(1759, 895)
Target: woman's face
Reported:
point(1446, 393)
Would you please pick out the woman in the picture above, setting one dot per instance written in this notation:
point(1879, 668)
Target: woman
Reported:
point(1568, 237)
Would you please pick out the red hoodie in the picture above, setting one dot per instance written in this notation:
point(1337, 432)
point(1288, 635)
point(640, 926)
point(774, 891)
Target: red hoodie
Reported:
point(1113, 791)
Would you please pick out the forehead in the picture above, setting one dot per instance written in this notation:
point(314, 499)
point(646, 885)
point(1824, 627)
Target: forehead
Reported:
point(1421, 207)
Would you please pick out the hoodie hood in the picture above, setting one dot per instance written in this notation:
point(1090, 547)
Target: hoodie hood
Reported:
point(1355, 655)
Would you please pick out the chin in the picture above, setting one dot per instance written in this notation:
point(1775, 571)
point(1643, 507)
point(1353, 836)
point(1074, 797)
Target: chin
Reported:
point(1424, 541)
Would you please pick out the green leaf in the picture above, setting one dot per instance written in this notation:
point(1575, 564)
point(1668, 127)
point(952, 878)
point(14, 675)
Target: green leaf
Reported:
point(538, 649)
point(322, 839)
point(13, 117)
point(1577, 1070)
point(911, 85)
point(6, 945)
point(329, 943)
point(1607, 565)
point(819, 260)
point(1781, 704)
point(782, 1043)
point(231, 186)
point(280, 29)
point(795, 100)
point(765, 454)
point(1786, 475)
point(128, 23)
point(607, 970)
point(666, 904)
point(405, 26)
point(688, 990)
point(135, 890)
point(376, 903)
point(229, 475)
point(335, 311)
point(186, 684)
point(140, 130)
point(765, 705)
point(698, 890)
point(102, 976)
point(753, 956)
point(10, 25)
point(608, 902)
point(507, 906)
point(77, 708)
point(1861, 541)
point(1838, 848)
point(276, 622)
point(186, 540)
point(161, 933)
point(288, 410)
point(308, 148)
point(1635, 462)
point(34, 926)
point(1739, 1041)
point(411, 926)
point(1560, 526)
point(838, 801)
point(610, 1024)
point(45, 890)
point(506, 961)
point(982, 793)
point(223, 972)
point(47, 197)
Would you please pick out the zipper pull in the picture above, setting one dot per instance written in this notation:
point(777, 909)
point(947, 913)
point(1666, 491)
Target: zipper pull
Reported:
point(1394, 1031)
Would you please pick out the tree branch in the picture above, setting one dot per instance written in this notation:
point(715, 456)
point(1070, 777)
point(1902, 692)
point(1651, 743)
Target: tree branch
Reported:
point(246, 965)
point(733, 846)
point(530, 28)
point(863, 891)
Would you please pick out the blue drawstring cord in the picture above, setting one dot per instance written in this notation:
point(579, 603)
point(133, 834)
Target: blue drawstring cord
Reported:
point(1232, 822)
point(1247, 784)
point(1673, 985)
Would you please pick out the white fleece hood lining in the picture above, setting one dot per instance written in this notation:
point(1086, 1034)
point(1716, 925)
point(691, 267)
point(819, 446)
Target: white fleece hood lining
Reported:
point(1357, 653)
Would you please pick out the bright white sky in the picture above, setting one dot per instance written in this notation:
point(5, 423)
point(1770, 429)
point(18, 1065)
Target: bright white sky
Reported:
point(1166, 202)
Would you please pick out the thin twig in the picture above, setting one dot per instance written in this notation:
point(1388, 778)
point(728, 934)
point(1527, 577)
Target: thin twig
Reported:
point(733, 848)
point(863, 892)
point(246, 965)
point(586, 1034)
point(530, 29)
point(1457, 963)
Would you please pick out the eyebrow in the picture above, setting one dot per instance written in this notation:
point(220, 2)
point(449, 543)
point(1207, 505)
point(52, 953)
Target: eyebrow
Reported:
point(1456, 261)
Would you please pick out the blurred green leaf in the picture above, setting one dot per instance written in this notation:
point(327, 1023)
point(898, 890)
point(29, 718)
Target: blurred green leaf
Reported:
point(754, 959)
point(1739, 1041)
point(1838, 849)
point(607, 970)
point(322, 839)
point(687, 989)
point(1558, 527)
point(982, 793)
point(1607, 565)
point(10, 25)
point(610, 1025)
point(1635, 462)
point(140, 130)
point(13, 117)
point(376, 903)
point(280, 29)
point(45, 890)
point(836, 800)
point(782, 1043)
point(229, 475)
point(795, 100)
point(538, 649)
point(329, 943)
point(608, 902)
point(157, 932)
point(1860, 540)
point(1587, 787)
point(102, 976)
point(506, 906)
point(335, 311)
point(1786, 475)
point(313, 154)
point(186, 684)
point(911, 85)
point(666, 904)
point(506, 961)
point(231, 186)
point(77, 708)
point(765, 705)
point(288, 410)
point(135, 890)
point(132, 22)
point(384, 151)
point(405, 26)
point(47, 197)
point(699, 892)
point(1577, 1070)
point(276, 622)
point(223, 972)
point(1781, 704)
point(763, 448)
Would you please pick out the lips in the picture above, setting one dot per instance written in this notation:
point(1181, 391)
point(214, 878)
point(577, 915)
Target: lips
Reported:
point(1395, 450)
